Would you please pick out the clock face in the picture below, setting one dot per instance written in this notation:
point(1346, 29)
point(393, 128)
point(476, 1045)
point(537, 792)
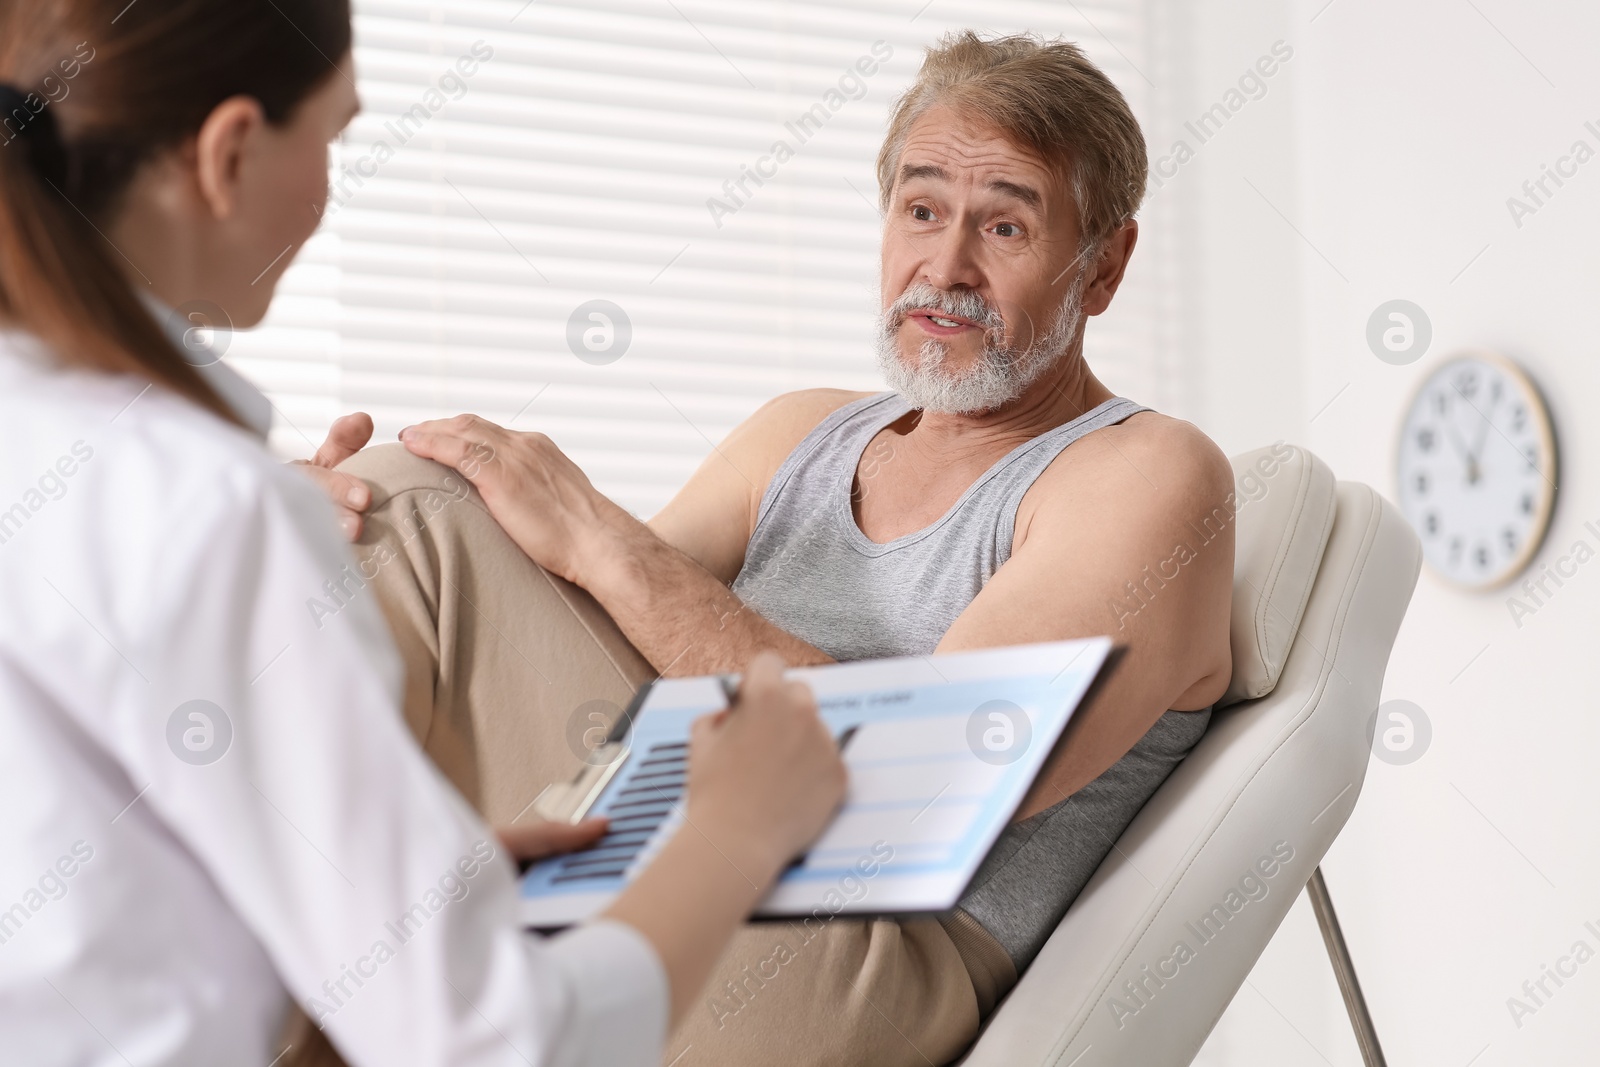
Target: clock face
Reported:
point(1477, 469)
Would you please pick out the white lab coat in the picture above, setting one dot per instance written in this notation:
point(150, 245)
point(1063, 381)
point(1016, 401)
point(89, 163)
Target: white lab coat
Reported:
point(208, 804)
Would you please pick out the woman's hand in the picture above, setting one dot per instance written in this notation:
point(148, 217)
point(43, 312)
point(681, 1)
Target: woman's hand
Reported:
point(764, 779)
point(765, 776)
point(531, 841)
point(347, 436)
point(537, 495)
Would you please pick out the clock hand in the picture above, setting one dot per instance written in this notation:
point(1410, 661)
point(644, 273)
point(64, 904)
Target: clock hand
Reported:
point(1488, 424)
point(1461, 447)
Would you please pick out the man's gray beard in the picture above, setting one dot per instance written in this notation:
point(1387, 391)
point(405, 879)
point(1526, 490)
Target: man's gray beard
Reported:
point(1001, 373)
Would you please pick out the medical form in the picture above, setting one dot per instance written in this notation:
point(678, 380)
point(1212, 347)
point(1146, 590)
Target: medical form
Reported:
point(940, 750)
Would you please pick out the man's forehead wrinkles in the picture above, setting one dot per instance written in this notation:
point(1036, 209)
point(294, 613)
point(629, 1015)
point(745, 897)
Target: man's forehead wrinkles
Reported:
point(999, 176)
point(980, 168)
point(990, 158)
point(981, 172)
point(951, 137)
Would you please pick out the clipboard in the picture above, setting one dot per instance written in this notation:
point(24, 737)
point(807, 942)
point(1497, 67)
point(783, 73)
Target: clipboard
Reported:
point(941, 750)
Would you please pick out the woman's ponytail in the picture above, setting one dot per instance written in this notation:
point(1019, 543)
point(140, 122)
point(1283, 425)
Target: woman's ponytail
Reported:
point(57, 278)
point(90, 90)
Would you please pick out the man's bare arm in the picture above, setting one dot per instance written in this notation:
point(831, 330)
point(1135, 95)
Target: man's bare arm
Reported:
point(1118, 515)
point(666, 583)
point(711, 518)
point(677, 613)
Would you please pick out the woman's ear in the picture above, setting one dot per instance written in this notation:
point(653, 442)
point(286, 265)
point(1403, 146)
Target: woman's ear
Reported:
point(226, 138)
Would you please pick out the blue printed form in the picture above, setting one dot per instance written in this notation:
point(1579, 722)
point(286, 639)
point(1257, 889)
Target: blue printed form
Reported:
point(941, 750)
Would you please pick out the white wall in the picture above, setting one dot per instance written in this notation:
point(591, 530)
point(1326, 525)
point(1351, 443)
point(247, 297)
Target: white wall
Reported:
point(1392, 145)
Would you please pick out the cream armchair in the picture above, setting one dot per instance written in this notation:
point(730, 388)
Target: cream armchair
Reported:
point(1150, 954)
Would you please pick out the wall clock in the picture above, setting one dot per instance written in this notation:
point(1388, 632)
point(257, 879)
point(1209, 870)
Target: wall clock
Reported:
point(1477, 469)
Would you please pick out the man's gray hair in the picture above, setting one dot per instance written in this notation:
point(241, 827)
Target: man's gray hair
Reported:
point(1048, 97)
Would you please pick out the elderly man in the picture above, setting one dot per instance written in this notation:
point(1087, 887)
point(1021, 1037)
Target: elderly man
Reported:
point(999, 495)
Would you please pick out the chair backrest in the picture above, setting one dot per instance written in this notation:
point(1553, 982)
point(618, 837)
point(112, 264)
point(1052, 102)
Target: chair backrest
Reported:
point(1149, 955)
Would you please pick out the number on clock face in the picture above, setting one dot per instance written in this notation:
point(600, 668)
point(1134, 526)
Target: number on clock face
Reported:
point(1477, 470)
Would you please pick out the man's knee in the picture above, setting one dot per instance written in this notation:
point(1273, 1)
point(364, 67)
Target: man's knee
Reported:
point(412, 496)
point(391, 470)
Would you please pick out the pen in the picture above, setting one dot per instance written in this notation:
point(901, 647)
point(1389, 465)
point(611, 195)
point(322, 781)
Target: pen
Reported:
point(730, 690)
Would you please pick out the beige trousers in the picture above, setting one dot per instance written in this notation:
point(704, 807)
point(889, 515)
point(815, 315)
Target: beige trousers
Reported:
point(507, 668)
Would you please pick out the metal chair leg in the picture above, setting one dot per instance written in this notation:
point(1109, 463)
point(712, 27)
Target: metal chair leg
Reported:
point(1344, 971)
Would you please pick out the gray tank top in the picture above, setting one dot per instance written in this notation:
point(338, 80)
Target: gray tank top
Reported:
point(811, 571)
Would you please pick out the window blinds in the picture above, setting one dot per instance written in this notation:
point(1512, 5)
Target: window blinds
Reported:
point(625, 223)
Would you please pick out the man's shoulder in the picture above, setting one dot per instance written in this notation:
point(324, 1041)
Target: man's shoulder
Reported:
point(1186, 450)
point(1148, 462)
point(773, 431)
point(798, 413)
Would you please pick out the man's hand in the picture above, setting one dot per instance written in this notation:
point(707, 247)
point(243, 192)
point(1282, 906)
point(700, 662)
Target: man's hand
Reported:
point(347, 436)
point(537, 495)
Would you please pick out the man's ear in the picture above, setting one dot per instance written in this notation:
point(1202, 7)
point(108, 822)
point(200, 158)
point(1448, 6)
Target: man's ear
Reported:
point(1109, 267)
point(226, 137)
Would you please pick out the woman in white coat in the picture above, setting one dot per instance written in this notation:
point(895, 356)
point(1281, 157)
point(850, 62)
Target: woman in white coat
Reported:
point(212, 807)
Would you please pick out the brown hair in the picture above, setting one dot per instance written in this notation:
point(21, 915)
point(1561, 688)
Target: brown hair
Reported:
point(109, 86)
point(1046, 96)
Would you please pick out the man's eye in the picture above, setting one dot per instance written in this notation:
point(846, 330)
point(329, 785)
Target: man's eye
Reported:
point(1007, 229)
point(922, 213)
